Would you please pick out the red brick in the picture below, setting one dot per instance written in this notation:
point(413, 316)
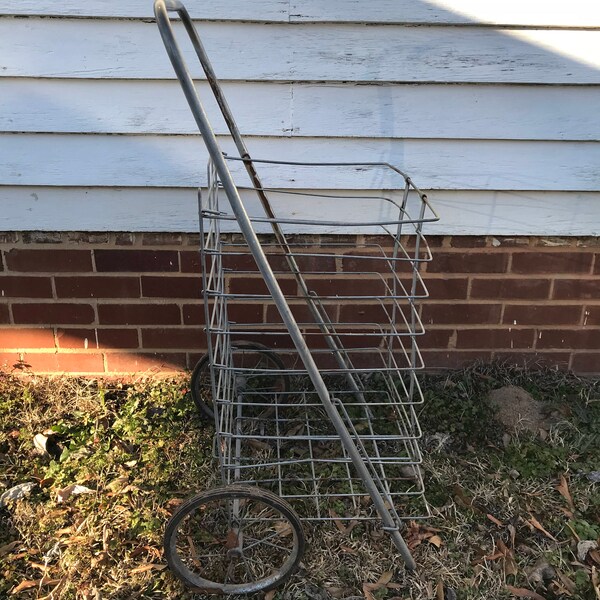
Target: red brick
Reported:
point(591, 315)
point(586, 363)
point(445, 289)
point(194, 357)
point(551, 262)
point(97, 287)
point(26, 338)
point(87, 237)
point(279, 340)
point(121, 362)
point(125, 238)
point(4, 316)
point(245, 313)
point(363, 313)
point(495, 338)
point(349, 338)
point(97, 338)
point(375, 262)
point(180, 338)
point(541, 315)
point(452, 359)
point(597, 264)
point(53, 314)
point(433, 338)
point(135, 261)
point(472, 314)
point(162, 239)
point(468, 241)
point(255, 286)
point(190, 262)
point(468, 262)
point(171, 287)
point(49, 260)
point(301, 313)
point(10, 360)
point(577, 339)
point(139, 314)
point(67, 362)
point(344, 287)
point(572, 289)
point(506, 288)
point(408, 241)
point(21, 286)
point(193, 314)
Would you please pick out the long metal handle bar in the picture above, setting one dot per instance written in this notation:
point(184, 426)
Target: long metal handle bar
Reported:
point(164, 24)
point(175, 5)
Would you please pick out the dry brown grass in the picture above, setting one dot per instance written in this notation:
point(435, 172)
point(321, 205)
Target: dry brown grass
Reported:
point(139, 448)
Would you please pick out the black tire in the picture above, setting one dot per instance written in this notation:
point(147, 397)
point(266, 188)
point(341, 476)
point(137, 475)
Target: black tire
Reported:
point(223, 544)
point(200, 384)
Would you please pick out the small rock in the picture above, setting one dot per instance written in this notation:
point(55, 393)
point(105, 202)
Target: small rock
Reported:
point(540, 573)
point(594, 476)
point(584, 547)
point(16, 493)
point(514, 474)
point(517, 409)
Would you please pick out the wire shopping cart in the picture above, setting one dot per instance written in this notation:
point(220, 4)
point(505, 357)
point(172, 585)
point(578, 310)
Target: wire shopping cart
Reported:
point(312, 356)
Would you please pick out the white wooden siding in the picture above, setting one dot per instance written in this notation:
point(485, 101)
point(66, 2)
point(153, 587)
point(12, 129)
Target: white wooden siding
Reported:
point(540, 13)
point(285, 109)
point(491, 105)
point(178, 161)
point(279, 52)
point(173, 209)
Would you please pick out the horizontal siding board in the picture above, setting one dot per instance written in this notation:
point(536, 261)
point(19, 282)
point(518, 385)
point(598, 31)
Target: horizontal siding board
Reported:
point(132, 49)
point(577, 13)
point(161, 209)
point(236, 10)
point(134, 106)
point(172, 161)
point(271, 109)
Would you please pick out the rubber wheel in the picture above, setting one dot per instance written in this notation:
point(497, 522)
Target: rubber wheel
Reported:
point(247, 355)
point(235, 539)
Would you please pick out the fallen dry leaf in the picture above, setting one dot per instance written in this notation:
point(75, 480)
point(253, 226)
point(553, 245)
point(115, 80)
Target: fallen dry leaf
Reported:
point(368, 588)
point(563, 490)
point(147, 567)
point(535, 523)
point(337, 521)
point(494, 520)
point(16, 493)
point(270, 595)
point(523, 593)
point(569, 585)
point(24, 585)
point(439, 591)
point(8, 548)
point(436, 540)
point(72, 490)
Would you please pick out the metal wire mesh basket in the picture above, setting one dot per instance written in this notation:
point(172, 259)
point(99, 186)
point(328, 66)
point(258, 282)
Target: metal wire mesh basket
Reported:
point(312, 356)
point(362, 332)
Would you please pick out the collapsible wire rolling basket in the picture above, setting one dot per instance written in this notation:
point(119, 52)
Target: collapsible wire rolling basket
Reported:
point(312, 356)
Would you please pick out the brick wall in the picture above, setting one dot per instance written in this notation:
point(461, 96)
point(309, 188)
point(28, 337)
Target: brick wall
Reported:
point(123, 302)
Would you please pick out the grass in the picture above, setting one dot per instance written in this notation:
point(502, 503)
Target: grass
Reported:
point(505, 504)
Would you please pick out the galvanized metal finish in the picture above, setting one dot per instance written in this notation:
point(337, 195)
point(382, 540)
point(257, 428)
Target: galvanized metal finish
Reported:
point(347, 429)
